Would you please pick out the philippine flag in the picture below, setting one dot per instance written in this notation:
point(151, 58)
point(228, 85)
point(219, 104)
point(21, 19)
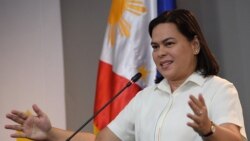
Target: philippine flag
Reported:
point(126, 51)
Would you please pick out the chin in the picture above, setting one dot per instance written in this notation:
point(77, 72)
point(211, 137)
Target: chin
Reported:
point(168, 75)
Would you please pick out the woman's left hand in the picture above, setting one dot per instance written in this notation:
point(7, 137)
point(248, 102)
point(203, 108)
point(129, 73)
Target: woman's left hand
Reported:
point(201, 123)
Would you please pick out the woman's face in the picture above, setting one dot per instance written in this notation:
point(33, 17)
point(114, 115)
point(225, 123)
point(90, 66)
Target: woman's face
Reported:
point(173, 54)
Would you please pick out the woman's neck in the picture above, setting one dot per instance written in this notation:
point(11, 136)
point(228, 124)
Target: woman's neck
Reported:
point(175, 84)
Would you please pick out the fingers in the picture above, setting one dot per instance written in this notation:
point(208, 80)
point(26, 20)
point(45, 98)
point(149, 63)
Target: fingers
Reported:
point(201, 99)
point(18, 135)
point(195, 118)
point(17, 116)
point(193, 125)
point(200, 117)
point(197, 104)
point(14, 127)
point(37, 110)
point(20, 114)
point(195, 101)
point(197, 107)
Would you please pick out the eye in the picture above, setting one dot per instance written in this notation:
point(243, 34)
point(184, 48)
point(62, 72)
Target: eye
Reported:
point(154, 46)
point(169, 44)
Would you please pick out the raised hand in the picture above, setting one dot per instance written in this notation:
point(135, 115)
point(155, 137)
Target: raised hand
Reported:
point(201, 123)
point(32, 127)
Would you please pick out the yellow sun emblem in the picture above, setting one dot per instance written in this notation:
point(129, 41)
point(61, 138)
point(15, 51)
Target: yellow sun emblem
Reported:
point(116, 19)
point(144, 71)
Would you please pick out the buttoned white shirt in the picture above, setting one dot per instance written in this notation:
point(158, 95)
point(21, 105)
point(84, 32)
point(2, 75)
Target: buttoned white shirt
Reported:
point(157, 114)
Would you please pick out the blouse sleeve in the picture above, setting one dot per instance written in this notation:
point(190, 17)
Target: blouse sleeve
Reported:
point(123, 126)
point(226, 107)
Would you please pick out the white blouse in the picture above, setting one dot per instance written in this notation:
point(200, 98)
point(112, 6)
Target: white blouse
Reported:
point(156, 114)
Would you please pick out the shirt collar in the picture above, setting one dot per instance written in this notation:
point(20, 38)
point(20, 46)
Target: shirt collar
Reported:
point(195, 77)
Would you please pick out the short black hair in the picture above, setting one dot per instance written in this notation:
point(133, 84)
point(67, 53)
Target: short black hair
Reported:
point(188, 26)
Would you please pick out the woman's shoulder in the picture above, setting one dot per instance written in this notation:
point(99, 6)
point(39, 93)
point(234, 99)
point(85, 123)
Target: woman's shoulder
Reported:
point(217, 80)
point(147, 91)
point(149, 88)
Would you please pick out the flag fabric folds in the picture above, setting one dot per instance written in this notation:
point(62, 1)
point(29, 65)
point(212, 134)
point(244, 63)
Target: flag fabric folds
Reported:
point(126, 51)
point(163, 5)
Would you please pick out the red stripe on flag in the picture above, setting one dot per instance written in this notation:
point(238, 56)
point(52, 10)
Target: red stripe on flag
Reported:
point(108, 84)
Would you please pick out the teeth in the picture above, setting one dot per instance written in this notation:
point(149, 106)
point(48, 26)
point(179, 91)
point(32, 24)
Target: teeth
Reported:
point(166, 64)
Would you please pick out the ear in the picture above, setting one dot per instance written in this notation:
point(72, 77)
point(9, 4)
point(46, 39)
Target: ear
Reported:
point(196, 45)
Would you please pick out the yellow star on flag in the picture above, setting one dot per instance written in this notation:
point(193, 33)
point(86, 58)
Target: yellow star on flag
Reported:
point(143, 70)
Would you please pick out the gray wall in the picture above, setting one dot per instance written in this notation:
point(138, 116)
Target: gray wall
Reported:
point(83, 24)
point(225, 24)
point(31, 60)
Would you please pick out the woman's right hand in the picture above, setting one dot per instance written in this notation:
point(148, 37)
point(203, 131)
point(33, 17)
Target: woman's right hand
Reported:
point(30, 126)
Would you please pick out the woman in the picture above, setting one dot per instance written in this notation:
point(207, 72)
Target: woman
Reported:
point(189, 102)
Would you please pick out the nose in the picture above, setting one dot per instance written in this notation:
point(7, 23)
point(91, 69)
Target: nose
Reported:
point(162, 51)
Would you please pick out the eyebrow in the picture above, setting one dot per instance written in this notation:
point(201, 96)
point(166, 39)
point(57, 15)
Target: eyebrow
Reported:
point(164, 40)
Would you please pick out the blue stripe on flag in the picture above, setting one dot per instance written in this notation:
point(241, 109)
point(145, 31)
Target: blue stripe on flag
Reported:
point(163, 5)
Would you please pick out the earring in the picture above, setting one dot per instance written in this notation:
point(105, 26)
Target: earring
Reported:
point(196, 52)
